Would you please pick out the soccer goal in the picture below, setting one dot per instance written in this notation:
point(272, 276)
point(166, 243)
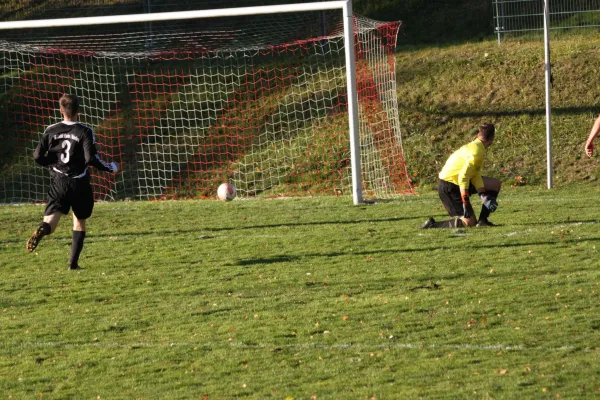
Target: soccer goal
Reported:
point(290, 100)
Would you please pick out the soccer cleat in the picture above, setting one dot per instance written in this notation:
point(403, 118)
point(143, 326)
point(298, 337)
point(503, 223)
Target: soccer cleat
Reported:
point(75, 268)
point(34, 240)
point(428, 224)
point(485, 222)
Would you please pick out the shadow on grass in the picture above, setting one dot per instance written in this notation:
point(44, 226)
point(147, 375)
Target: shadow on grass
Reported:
point(163, 232)
point(249, 227)
point(533, 112)
point(271, 260)
point(492, 247)
point(515, 113)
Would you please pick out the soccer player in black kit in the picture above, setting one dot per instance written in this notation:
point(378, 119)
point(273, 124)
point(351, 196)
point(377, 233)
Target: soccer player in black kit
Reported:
point(68, 149)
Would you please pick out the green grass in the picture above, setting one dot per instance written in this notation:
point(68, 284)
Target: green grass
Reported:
point(305, 298)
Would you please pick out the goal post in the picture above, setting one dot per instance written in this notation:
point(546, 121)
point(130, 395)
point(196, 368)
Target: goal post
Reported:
point(352, 102)
point(256, 96)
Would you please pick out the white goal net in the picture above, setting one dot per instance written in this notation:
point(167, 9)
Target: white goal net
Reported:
point(183, 105)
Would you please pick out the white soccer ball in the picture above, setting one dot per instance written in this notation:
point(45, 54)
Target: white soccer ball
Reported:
point(226, 192)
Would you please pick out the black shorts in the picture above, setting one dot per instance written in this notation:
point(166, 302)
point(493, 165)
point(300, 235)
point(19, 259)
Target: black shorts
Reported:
point(450, 196)
point(66, 193)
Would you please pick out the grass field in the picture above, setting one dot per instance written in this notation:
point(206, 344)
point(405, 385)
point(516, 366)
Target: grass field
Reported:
point(304, 299)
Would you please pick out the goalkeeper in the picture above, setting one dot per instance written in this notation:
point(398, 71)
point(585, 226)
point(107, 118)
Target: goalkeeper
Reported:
point(67, 149)
point(460, 178)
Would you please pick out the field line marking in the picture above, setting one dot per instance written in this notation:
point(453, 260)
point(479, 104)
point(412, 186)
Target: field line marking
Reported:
point(242, 345)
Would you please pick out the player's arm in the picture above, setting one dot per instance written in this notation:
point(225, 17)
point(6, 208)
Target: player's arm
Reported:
point(464, 178)
point(466, 202)
point(92, 157)
point(589, 144)
point(40, 155)
point(470, 173)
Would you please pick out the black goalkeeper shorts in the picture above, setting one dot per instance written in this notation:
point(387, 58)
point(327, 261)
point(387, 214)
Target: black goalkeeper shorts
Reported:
point(450, 196)
point(66, 193)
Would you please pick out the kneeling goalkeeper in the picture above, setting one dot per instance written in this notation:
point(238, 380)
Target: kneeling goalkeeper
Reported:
point(461, 177)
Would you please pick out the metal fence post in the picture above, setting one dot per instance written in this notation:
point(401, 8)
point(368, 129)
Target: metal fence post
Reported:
point(498, 26)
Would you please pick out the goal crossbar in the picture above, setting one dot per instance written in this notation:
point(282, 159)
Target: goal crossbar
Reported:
point(171, 16)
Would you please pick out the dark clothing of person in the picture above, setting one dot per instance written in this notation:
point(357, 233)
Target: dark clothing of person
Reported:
point(68, 148)
point(450, 196)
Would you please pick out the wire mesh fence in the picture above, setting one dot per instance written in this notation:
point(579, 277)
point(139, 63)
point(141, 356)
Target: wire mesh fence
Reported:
point(527, 16)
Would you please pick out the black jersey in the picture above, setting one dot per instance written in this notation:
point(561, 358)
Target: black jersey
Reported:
point(69, 148)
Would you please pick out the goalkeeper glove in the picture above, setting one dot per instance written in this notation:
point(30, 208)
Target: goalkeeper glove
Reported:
point(467, 208)
point(114, 167)
point(489, 202)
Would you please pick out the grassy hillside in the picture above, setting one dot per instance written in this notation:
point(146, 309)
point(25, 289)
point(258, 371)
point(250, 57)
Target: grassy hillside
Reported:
point(444, 93)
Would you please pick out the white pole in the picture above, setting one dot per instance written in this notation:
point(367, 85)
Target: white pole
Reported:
point(170, 16)
point(352, 103)
point(548, 104)
point(498, 23)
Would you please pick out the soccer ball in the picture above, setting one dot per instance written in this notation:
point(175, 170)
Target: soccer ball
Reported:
point(226, 192)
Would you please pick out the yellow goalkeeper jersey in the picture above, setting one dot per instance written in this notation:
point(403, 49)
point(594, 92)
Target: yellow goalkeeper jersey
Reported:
point(464, 165)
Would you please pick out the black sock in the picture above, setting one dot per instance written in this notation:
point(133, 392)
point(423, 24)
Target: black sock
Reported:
point(453, 223)
point(76, 247)
point(46, 228)
point(485, 212)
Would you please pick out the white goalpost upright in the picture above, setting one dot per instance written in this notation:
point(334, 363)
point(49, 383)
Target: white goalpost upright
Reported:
point(352, 103)
point(548, 83)
point(371, 108)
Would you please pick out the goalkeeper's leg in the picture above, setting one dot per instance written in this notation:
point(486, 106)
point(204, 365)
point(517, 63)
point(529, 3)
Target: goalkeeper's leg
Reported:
point(492, 189)
point(452, 223)
point(450, 196)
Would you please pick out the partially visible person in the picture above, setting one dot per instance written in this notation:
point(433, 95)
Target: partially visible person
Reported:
point(589, 144)
point(68, 149)
point(460, 178)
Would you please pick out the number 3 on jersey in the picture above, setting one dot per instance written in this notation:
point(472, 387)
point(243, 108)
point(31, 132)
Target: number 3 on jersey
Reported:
point(66, 154)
